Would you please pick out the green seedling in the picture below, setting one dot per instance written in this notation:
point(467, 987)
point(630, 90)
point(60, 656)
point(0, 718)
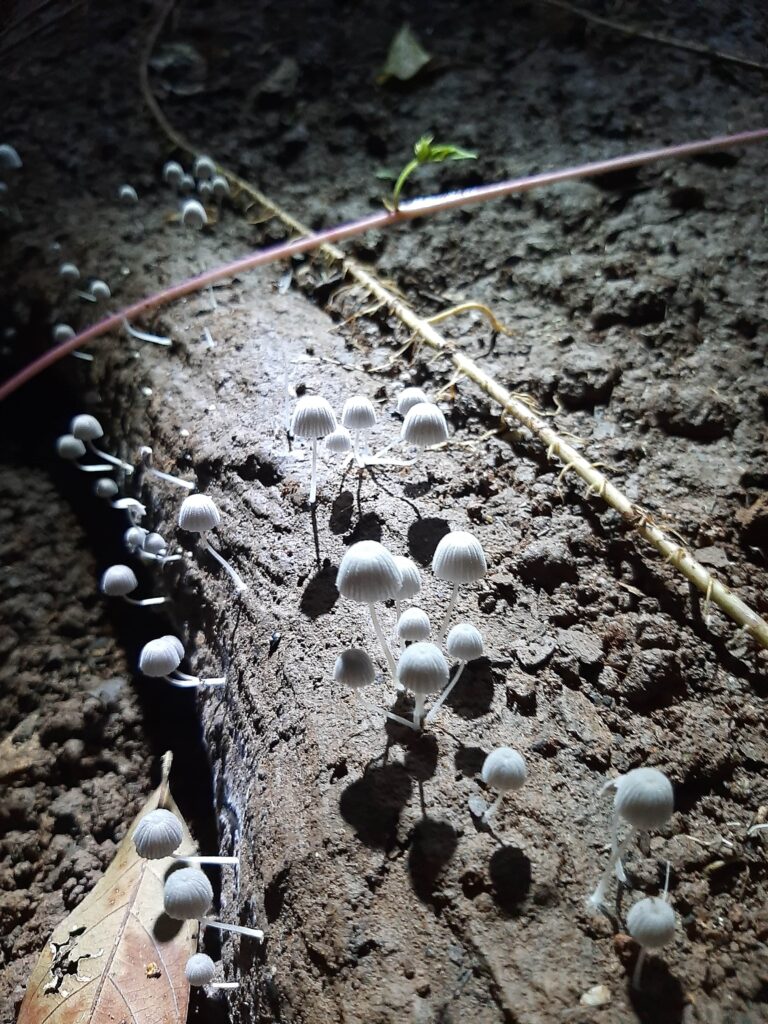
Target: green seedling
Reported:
point(426, 152)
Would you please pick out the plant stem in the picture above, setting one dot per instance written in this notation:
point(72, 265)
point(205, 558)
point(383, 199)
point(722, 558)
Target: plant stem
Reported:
point(382, 641)
point(445, 694)
point(313, 477)
point(409, 168)
point(236, 579)
point(384, 218)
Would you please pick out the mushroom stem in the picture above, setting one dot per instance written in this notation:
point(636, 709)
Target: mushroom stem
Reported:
point(418, 709)
point(445, 694)
point(91, 467)
point(448, 612)
point(387, 714)
point(255, 933)
point(382, 640)
point(170, 478)
point(182, 680)
point(491, 810)
point(614, 862)
point(313, 478)
point(637, 973)
point(149, 556)
point(110, 458)
point(206, 860)
point(236, 579)
point(144, 602)
point(224, 984)
point(356, 448)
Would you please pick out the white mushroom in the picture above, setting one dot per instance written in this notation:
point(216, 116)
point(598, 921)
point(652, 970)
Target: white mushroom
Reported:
point(459, 559)
point(159, 834)
point(424, 425)
point(409, 397)
point(411, 585)
point(358, 415)
point(651, 923)
point(644, 798)
point(199, 514)
point(120, 581)
point(187, 896)
point(339, 441)
point(312, 419)
point(504, 769)
point(199, 971)
point(72, 448)
point(464, 643)
point(423, 670)
point(88, 429)
point(160, 659)
point(368, 574)
point(413, 625)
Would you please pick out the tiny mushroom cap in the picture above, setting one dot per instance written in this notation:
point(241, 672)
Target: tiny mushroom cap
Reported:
point(651, 922)
point(410, 397)
point(62, 332)
point(134, 536)
point(205, 189)
point(413, 624)
point(459, 558)
point(187, 894)
point(411, 584)
point(99, 289)
point(358, 413)
point(69, 272)
point(338, 441)
point(127, 194)
point(193, 214)
point(173, 172)
point(312, 417)
point(158, 834)
point(204, 167)
point(644, 798)
point(422, 668)
point(105, 487)
point(118, 580)
point(198, 513)
point(200, 969)
point(159, 657)
point(69, 447)
point(504, 769)
point(220, 186)
point(86, 428)
point(368, 573)
point(177, 645)
point(155, 544)
point(9, 158)
point(464, 642)
point(354, 668)
point(424, 425)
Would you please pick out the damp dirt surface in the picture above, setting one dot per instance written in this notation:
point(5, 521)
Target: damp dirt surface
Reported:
point(637, 321)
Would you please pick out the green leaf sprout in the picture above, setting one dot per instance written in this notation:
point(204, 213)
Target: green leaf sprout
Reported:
point(426, 151)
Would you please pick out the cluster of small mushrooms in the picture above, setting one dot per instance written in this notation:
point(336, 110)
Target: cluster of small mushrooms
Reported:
point(368, 575)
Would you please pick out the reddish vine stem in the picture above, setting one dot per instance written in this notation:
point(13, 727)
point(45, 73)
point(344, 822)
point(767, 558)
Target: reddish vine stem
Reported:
point(422, 207)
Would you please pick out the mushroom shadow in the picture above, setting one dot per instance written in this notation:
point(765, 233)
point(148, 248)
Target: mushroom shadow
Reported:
point(418, 488)
point(342, 511)
point(368, 527)
point(423, 537)
point(165, 929)
point(373, 803)
point(510, 872)
point(469, 760)
point(433, 844)
point(320, 594)
point(421, 756)
point(661, 999)
point(473, 694)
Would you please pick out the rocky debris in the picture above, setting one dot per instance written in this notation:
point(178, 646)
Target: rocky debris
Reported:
point(588, 376)
point(690, 410)
point(547, 563)
point(753, 522)
point(634, 303)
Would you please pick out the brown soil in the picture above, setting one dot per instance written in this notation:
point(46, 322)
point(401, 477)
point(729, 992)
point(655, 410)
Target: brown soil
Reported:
point(637, 308)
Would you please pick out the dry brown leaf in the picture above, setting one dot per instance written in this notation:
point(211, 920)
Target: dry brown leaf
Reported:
point(118, 957)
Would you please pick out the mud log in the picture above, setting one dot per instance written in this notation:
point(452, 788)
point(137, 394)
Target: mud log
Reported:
point(382, 896)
